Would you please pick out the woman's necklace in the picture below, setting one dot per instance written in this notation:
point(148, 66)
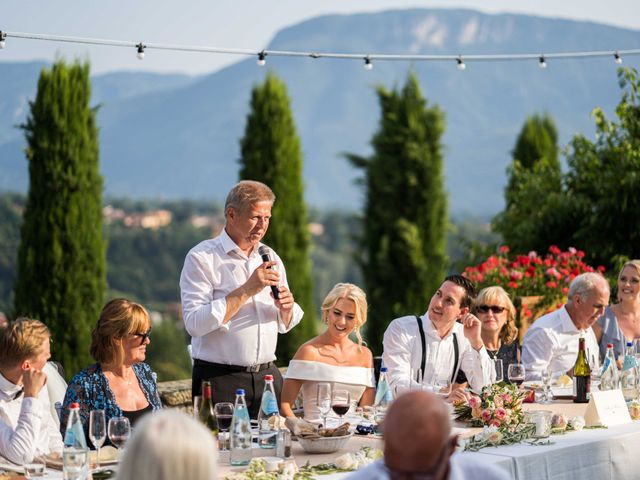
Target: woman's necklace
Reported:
point(124, 378)
point(329, 355)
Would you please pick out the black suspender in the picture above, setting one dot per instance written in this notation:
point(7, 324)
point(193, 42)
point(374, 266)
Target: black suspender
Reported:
point(423, 341)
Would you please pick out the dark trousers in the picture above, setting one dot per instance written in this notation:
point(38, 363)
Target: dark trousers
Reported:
point(226, 379)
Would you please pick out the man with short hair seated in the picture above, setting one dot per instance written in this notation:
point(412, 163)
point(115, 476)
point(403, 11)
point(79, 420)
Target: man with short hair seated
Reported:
point(424, 419)
point(27, 428)
point(552, 341)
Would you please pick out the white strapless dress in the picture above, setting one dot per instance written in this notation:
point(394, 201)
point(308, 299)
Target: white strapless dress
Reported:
point(353, 379)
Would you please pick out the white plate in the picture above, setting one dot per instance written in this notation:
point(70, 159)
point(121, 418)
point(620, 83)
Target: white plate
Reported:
point(562, 392)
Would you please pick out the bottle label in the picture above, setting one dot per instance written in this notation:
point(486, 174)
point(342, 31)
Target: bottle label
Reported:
point(269, 403)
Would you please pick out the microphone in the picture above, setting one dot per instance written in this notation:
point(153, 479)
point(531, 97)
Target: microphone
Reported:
point(264, 252)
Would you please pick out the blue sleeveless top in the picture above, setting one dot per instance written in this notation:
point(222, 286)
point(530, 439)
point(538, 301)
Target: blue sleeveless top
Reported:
point(611, 333)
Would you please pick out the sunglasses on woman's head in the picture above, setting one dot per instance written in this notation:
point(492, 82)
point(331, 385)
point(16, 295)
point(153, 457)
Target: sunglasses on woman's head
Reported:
point(494, 308)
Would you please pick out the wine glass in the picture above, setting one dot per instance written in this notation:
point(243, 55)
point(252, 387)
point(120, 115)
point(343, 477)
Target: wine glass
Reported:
point(36, 468)
point(594, 365)
point(197, 403)
point(323, 400)
point(545, 376)
point(224, 414)
point(97, 431)
point(497, 365)
point(119, 431)
point(341, 402)
point(515, 373)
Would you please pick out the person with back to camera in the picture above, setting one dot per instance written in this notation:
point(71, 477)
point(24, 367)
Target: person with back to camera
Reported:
point(120, 383)
point(332, 356)
point(169, 445)
point(27, 428)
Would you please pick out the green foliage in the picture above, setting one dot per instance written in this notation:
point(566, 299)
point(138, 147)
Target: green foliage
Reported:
point(533, 187)
point(405, 223)
point(167, 354)
point(10, 219)
point(61, 259)
point(271, 153)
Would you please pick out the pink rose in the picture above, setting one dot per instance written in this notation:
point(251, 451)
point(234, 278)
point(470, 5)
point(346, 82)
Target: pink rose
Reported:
point(486, 415)
point(474, 402)
point(506, 397)
point(494, 423)
point(500, 413)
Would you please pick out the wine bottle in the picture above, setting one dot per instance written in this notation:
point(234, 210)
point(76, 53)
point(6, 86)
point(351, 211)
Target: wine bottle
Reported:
point(207, 414)
point(581, 376)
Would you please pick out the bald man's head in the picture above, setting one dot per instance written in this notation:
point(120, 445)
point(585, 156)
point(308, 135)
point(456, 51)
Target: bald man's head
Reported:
point(417, 434)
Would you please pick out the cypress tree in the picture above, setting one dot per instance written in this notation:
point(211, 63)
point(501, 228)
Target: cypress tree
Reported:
point(271, 153)
point(61, 259)
point(405, 221)
point(534, 180)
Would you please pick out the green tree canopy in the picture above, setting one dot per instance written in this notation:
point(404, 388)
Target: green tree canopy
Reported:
point(271, 153)
point(61, 259)
point(405, 222)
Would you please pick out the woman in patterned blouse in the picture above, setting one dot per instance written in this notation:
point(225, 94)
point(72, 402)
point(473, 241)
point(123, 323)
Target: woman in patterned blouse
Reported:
point(120, 383)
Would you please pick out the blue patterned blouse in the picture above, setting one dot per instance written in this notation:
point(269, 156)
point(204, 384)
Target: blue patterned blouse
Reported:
point(91, 390)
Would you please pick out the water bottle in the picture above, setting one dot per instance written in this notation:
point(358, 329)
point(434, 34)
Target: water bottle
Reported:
point(74, 453)
point(628, 377)
point(609, 379)
point(240, 432)
point(268, 415)
point(383, 395)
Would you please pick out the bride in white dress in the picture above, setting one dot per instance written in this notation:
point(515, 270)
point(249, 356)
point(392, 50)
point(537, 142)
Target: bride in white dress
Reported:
point(332, 357)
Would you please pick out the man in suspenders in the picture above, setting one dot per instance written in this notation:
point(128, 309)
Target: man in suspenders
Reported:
point(434, 346)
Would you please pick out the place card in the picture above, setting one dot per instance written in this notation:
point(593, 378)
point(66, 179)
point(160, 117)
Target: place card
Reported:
point(606, 409)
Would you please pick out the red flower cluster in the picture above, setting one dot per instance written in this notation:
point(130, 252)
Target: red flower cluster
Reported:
point(531, 274)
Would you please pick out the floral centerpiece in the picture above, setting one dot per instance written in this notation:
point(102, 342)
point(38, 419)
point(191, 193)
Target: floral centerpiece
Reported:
point(499, 405)
point(544, 276)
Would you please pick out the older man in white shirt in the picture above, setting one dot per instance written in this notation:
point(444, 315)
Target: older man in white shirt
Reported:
point(27, 428)
point(432, 348)
point(551, 343)
point(229, 309)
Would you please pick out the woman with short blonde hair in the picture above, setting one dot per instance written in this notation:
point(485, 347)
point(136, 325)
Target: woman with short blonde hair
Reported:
point(332, 356)
point(120, 383)
point(169, 445)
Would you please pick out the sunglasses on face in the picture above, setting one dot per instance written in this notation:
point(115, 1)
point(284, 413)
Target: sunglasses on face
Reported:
point(143, 336)
point(494, 308)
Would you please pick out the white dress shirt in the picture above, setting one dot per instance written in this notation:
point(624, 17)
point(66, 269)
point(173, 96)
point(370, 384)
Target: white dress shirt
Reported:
point(403, 354)
point(213, 269)
point(552, 341)
point(461, 467)
point(27, 428)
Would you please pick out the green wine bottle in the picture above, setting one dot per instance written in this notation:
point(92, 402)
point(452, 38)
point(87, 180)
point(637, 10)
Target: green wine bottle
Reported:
point(207, 413)
point(581, 376)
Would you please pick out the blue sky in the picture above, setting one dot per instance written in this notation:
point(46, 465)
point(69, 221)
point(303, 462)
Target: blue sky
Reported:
point(237, 24)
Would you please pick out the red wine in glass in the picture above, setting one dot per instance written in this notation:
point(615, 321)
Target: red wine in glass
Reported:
point(118, 440)
point(340, 408)
point(517, 380)
point(224, 422)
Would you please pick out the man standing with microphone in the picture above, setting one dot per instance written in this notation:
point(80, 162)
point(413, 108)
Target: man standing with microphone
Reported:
point(235, 301)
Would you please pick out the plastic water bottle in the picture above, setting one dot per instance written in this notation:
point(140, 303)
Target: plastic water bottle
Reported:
point(609, 379)
point(74, 453)
point(383, 395)
point(628, 376)
point(240, 432)
point(268, 415)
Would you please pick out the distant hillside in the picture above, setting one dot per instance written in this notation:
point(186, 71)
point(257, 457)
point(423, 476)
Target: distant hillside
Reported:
point(181, 140)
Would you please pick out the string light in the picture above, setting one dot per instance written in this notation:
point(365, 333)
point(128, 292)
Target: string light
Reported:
point(140, 50)
point(368, 65)
point(261, 58)
point(316, 55)
point(541, 62)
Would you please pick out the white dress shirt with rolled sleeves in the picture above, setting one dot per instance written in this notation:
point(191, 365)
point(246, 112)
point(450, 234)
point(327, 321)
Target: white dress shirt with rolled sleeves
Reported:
point(552, 342)
point(213, 269)
point(27, 428)
point(403, 354)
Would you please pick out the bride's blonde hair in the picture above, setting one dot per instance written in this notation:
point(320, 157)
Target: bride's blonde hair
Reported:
point(350, 292)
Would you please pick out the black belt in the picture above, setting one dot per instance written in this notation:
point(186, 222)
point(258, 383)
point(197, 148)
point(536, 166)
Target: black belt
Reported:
point(234, 368)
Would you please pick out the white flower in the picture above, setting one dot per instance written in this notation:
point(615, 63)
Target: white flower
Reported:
point(346, 462)
point(577, 423)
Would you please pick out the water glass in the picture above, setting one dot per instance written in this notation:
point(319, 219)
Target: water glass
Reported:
point(515, 373)
point(497, 365)
point(546, 376)
point(197, 402)
point(74, 463)
point(323, 400)
point(97, 431)
point(36, 468)
point(119, 431)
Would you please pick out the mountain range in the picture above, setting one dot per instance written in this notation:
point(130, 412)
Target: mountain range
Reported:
point(177, 136)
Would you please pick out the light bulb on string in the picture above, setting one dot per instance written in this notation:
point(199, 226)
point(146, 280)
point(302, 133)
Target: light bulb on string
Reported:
point(140, 51)
point(3, 37)
point(541, 62)
point(617, 58)
point(261, 58)
point(461, 64)
point(368, 64)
